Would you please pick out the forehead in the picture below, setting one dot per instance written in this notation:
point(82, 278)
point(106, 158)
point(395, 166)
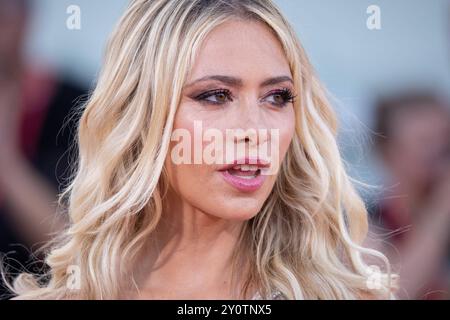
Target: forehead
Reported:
point(247, 49)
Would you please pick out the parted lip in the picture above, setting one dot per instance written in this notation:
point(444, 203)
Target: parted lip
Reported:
point(260, 163)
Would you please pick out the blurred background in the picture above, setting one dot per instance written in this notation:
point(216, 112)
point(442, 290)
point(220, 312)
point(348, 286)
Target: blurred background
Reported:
point(387, 68)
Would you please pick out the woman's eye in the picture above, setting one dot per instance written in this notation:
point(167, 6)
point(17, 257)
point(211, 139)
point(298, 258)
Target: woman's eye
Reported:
point(281, 98)
point(278, 98)
point(215, 97)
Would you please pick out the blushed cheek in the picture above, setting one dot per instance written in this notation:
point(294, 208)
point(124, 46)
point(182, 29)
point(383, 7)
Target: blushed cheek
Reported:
point(288, 138)
point(286, 135)
point(189, 178)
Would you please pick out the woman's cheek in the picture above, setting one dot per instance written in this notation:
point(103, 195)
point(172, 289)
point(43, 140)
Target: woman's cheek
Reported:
point(286, 138)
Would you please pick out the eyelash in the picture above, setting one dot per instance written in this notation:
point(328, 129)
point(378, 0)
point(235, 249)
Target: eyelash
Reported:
point(286, 94)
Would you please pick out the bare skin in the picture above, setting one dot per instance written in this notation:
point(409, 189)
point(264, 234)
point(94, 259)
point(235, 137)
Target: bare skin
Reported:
point(203, 216)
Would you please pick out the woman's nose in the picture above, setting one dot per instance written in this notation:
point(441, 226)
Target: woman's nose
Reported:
point(250, 125)
point(248, 113)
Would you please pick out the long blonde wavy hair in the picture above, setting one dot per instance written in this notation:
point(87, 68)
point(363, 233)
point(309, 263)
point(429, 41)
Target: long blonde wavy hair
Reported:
point(306, 241)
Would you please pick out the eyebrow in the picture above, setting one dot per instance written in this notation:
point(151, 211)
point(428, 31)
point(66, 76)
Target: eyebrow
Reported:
point(237, 82)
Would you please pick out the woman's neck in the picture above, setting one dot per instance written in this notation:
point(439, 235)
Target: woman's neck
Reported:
point(190, 256)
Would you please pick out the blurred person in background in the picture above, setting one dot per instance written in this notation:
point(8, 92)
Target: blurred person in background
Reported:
point(35, 103)
point(413, 142)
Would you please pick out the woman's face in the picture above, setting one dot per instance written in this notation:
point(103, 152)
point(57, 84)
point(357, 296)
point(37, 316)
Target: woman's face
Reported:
point(241, 80)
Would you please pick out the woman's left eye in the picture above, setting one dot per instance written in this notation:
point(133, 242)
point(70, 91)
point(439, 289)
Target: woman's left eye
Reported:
point(281, 98)
point(215, 97)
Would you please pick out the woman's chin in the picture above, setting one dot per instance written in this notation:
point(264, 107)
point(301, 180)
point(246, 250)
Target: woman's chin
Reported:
point(241, 209)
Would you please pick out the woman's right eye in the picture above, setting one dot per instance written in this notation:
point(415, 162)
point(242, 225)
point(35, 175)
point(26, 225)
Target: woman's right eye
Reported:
point(215, 97)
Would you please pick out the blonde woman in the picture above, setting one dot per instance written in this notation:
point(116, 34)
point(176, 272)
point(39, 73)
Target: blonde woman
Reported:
point(145, 225)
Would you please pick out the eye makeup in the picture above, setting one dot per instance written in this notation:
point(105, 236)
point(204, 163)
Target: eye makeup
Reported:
point(281, 97)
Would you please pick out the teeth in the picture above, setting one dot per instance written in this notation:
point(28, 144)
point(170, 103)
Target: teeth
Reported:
point(251, 172)
point(244, 167)
point(247, 177)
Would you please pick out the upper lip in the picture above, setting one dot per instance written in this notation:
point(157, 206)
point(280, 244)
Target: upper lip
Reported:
point(260, 163)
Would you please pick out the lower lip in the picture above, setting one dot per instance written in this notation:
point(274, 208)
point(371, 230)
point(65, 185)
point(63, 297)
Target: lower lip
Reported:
point(242, 184)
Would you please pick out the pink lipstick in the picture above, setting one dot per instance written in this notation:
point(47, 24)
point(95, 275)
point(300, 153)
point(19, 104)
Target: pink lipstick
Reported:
point(245, 174)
